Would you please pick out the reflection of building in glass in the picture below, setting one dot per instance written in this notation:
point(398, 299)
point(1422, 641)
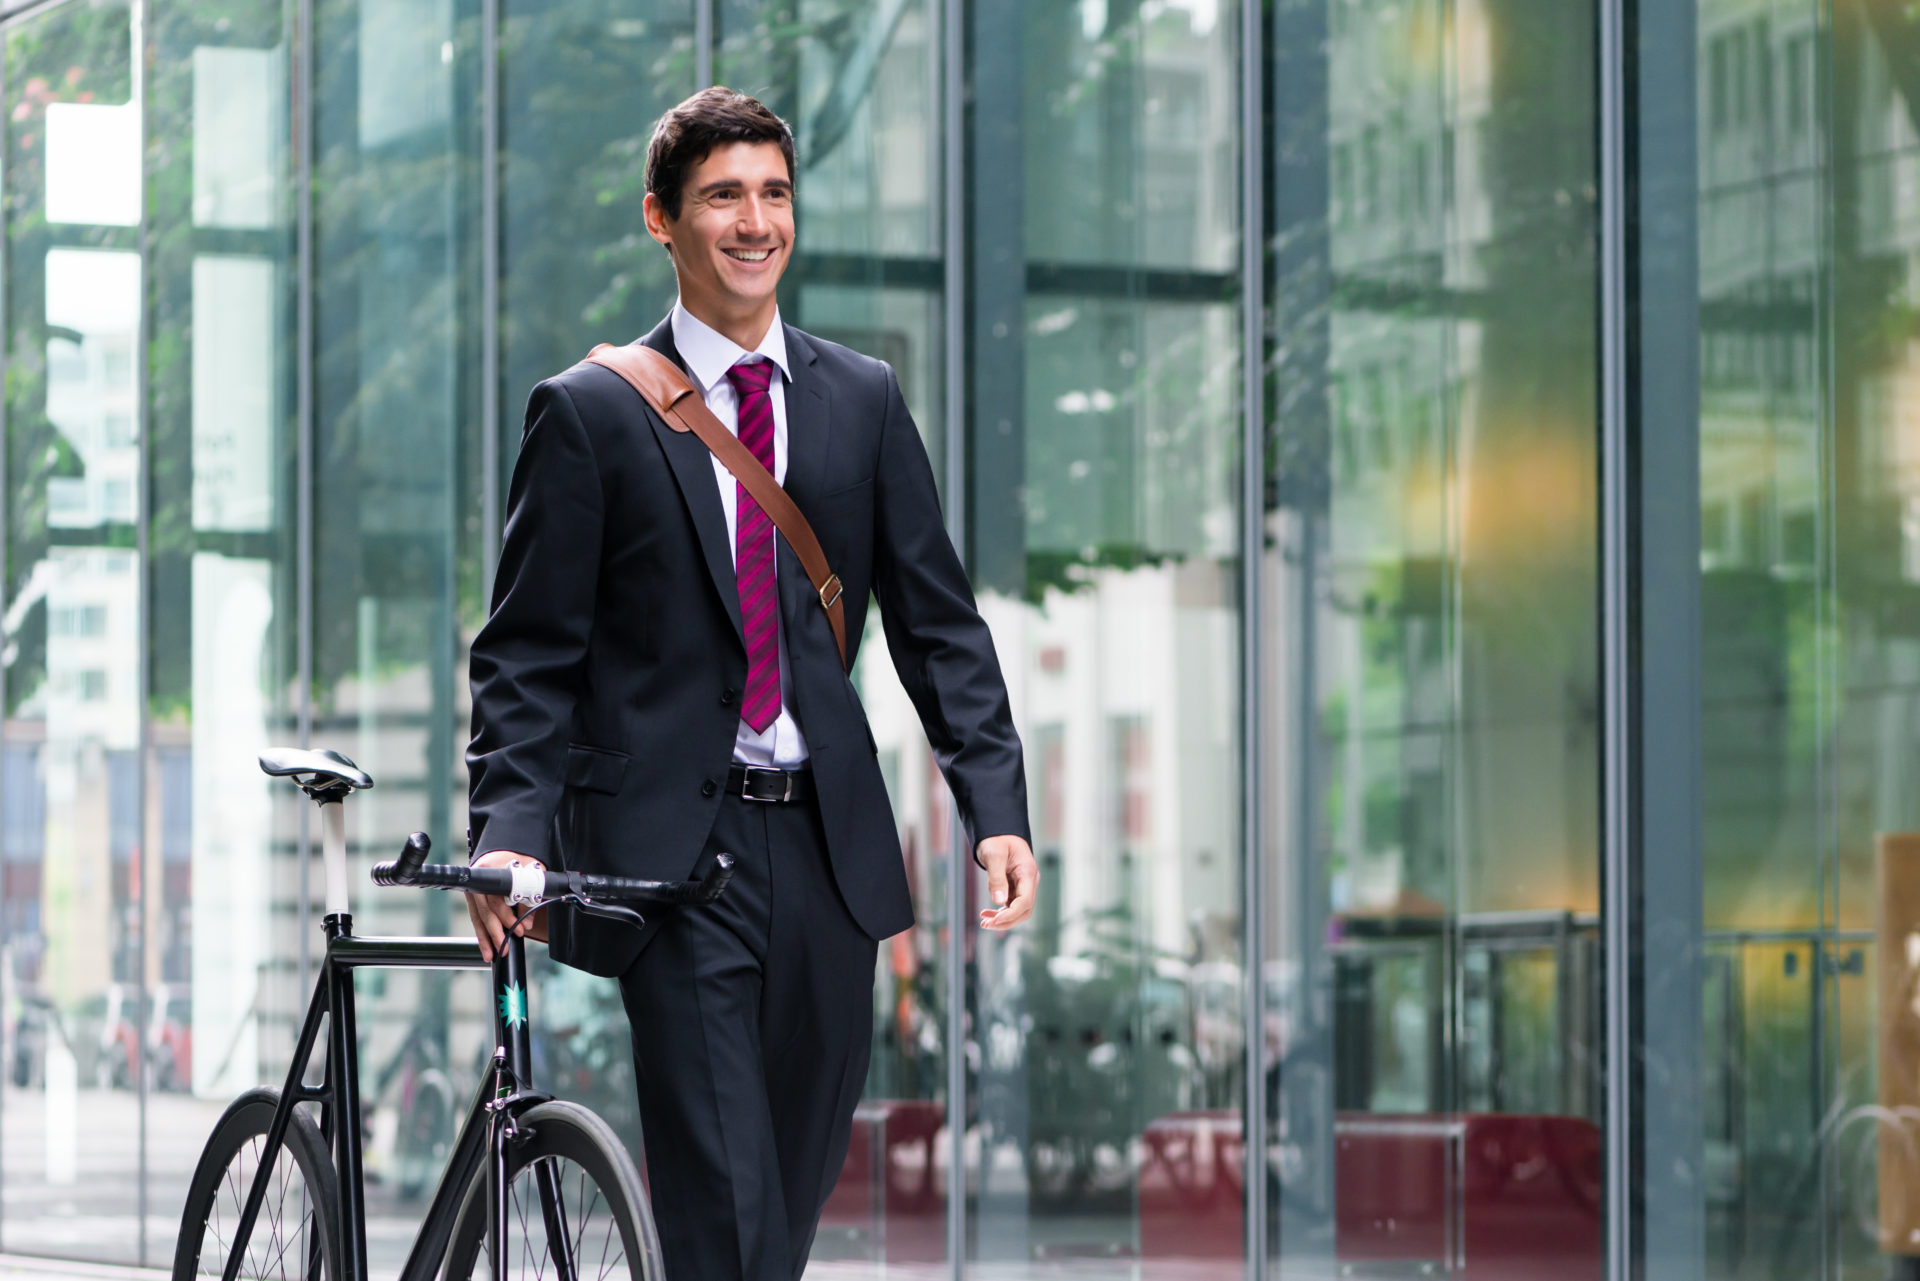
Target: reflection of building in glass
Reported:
point(273, 390)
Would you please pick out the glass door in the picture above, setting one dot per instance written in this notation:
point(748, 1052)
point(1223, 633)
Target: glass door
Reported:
point(1431, 651)
point(1808, 141)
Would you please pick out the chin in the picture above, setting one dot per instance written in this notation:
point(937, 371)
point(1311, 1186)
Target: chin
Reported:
point(765, 292)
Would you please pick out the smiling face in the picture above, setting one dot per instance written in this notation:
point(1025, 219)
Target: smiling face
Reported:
point(731, 241)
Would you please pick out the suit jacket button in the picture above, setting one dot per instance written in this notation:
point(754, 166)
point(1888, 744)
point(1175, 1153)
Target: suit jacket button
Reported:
point(727, 696)
point(709, 787)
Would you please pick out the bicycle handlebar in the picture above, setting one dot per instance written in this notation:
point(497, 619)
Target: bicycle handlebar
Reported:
point(412, 869)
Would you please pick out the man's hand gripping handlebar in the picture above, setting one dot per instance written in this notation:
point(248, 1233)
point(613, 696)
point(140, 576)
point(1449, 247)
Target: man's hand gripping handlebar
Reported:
point(531, 886)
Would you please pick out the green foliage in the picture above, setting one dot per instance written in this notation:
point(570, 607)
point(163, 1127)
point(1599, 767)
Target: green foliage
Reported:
point(1074, 570)
point(79, 54)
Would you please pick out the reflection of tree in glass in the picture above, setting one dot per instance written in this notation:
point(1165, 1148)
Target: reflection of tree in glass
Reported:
point(78, 54)
point(174, 240)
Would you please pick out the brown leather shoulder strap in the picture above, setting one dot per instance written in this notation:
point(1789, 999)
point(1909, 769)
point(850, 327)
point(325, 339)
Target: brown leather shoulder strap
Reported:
point(661, 383)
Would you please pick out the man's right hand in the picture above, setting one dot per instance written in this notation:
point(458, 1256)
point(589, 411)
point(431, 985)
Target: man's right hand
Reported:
point(492, 915)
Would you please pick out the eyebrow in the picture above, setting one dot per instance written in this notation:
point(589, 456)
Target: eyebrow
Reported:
point(723, 184)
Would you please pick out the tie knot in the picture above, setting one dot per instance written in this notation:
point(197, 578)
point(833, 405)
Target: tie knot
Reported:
point(750, 378)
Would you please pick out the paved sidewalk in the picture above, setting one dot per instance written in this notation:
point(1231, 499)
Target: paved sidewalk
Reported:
point(20, 1267)
point(17, 1267)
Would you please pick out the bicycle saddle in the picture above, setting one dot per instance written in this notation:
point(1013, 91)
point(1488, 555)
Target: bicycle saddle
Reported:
point(316, 770)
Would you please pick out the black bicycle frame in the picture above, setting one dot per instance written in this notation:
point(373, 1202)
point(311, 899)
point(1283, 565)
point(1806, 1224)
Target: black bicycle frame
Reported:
point(505, 1090)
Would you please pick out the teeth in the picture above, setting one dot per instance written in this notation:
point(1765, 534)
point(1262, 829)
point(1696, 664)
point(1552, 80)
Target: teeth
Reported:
point(750, 255)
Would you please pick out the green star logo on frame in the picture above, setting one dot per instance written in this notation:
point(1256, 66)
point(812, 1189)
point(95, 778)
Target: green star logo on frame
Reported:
point(513, 1006)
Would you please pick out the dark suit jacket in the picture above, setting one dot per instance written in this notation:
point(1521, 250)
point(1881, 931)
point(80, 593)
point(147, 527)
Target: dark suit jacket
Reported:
point(606, 680)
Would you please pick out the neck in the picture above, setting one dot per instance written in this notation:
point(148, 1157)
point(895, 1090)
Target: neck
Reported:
point(745, 330)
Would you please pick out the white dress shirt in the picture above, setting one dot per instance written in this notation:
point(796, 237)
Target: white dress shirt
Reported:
point(708, 355)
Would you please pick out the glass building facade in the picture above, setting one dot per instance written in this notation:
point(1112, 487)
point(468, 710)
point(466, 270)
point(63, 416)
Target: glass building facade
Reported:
point(1443, 475)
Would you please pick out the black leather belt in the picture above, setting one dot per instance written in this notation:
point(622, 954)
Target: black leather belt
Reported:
point(754, 783)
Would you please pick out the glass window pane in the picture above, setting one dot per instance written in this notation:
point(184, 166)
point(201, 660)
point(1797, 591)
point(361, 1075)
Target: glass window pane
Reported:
point(1866, 467)
point(1765, 593)
point(1431, 643)
point(1104, 471)
point(73, 968)
point(578, 267)
point(396, 528)
point(222, 854)
point(1808, 181)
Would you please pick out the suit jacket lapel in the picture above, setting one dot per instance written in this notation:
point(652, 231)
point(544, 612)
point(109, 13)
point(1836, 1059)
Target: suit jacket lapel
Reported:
point(809, 429)
point(809, 421)
point(693, 471)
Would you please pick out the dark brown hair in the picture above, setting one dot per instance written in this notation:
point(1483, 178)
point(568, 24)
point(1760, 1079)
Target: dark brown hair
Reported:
point(688, 133)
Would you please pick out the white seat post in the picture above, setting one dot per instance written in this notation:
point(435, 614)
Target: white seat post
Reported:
point(327, 778)
point(333, 854)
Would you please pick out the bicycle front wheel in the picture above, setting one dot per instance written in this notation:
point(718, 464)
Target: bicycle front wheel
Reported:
point(293, 1236)
point(575, 1207)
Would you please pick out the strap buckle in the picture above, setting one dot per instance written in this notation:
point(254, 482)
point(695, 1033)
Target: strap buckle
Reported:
point(833, 583)
point(748, 791)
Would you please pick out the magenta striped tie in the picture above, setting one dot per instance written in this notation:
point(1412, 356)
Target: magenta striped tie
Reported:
point(753, 553)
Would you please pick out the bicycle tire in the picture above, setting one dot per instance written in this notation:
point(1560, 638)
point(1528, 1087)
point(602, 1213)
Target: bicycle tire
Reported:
point(219, 1187)
point(563, 1135)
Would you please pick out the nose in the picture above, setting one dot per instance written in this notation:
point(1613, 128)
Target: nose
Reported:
point(753, 217)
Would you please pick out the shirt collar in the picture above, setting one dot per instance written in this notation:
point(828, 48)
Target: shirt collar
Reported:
point(710, 354)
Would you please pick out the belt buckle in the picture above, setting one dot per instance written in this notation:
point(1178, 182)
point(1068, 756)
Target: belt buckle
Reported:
point(746, 791)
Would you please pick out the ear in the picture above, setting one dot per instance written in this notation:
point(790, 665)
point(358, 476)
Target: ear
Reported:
point(657, 224)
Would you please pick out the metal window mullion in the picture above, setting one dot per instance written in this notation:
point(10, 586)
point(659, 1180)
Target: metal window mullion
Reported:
point(952, 35)
point(1252, 550)
point(1663, 382)
point(1825, 1052)
point(703, 29)
point(302, 114)
point(490, 268)
point(6, 492)
point(138, 13)
point(1619, 845)
point(1651, 635)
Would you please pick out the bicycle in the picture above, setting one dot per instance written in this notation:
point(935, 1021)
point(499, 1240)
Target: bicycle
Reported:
point(529, 1177)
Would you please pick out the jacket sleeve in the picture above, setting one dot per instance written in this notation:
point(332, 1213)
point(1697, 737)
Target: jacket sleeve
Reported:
point(527, 661)
point(940, 645)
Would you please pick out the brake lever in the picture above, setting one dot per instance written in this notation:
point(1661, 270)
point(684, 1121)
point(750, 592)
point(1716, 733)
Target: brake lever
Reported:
point(618, 912)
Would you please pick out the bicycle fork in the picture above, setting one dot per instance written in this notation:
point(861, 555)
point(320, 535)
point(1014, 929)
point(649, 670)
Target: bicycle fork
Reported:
point(513, 1077)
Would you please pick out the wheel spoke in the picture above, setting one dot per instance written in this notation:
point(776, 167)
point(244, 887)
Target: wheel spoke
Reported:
point(526, 1236)
point(586, 1212)
point(573, 1246)
point(285, 1241)
point(611, 1225)
point(280, 1256)
point(253, 1237)
point(562, 1234)
point(279, 1203)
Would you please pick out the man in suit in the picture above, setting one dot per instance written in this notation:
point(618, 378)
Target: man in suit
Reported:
point(658, 683)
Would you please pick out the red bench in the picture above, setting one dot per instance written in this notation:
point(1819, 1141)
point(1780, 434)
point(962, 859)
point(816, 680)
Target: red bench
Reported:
point(1483, 1197)
point(1497, 1197)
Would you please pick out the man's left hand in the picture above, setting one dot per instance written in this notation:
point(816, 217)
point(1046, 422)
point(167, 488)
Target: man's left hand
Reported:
point(1013, 878)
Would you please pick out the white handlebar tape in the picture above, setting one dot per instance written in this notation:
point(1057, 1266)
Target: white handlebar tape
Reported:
point(529, 882)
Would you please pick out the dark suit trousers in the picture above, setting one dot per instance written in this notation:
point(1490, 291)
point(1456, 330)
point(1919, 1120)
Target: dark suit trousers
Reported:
point(752, 1021)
